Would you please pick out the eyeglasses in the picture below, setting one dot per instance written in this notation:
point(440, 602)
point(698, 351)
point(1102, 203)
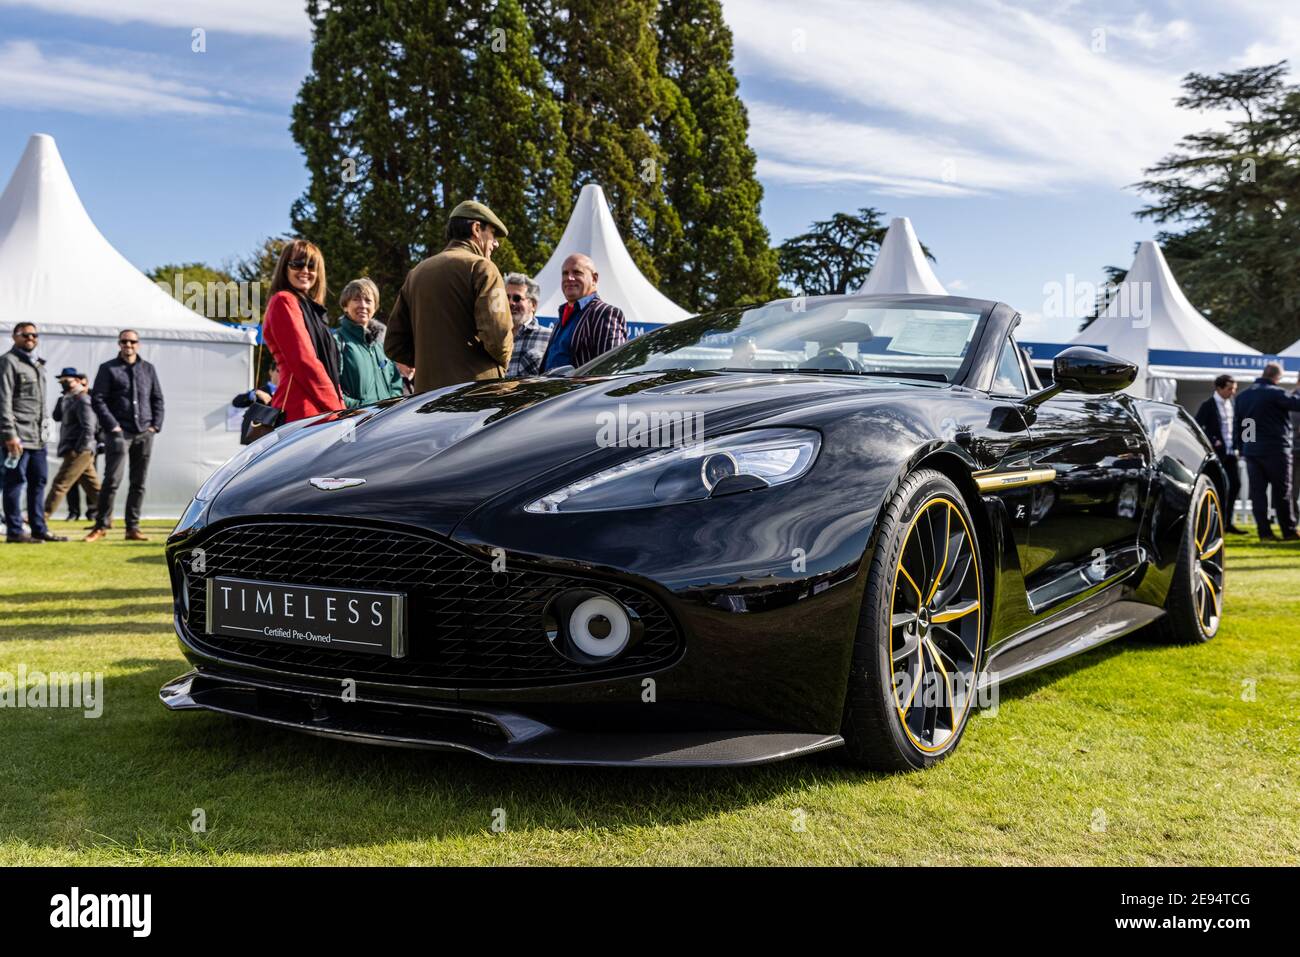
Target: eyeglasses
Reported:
point(28, 335)
point(302, 265)
point(128, 342)
point(517, 298)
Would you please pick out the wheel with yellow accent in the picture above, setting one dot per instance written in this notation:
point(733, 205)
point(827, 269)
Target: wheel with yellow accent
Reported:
point(1194, 606)
point(920, 642)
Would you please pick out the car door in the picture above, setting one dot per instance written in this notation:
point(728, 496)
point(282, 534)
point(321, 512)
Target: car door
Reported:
point(1085, 512)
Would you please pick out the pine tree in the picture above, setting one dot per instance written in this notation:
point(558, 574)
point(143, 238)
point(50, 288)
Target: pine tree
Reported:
point(377, 122)
point(835, 255)
point(1234, 195)
point(515, 140)
point(411, 108)
point(686, 206)
point(601, 58)
point(724, 255)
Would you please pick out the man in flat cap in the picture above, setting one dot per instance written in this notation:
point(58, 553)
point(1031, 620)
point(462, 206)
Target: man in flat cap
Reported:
point(451, 320)
point(78, 422)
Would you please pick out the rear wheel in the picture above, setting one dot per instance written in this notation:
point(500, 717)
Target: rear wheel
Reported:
point(1194, 607)
point(920, 631)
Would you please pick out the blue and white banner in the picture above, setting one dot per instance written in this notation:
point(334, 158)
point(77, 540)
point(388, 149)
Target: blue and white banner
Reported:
point(1227, 361)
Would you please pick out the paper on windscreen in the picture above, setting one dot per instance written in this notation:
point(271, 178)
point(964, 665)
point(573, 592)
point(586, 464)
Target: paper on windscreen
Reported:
point(932, 337)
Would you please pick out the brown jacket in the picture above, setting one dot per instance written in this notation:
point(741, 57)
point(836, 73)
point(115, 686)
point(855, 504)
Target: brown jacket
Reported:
point(451, 320)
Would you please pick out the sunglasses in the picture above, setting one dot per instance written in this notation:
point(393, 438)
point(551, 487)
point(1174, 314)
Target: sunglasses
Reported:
point(302, 265)
point(128, 342)
point(517, 298)
point(28, 335)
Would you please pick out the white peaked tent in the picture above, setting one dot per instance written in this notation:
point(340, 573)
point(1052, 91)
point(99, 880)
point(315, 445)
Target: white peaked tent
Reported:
point(1150, 322)
point(1290, 358)
point(58, 271)
point(591, 230)
point(901, 266)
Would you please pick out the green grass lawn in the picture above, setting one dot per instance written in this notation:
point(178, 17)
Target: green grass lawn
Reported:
point(1134, 754)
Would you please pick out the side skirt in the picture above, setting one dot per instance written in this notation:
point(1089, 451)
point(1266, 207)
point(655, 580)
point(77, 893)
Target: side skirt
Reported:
point(1082, 629)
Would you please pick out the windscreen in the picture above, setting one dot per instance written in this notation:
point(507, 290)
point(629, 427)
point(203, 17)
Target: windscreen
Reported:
point(844, 335)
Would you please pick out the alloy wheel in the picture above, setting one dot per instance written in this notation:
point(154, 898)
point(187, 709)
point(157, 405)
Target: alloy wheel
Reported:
point(936, 625)
point(1207, 562)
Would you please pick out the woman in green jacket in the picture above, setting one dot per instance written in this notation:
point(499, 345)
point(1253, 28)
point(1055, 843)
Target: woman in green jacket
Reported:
point(366, 374)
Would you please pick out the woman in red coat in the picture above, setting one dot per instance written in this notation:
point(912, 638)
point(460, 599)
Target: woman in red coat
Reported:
point(295, 331)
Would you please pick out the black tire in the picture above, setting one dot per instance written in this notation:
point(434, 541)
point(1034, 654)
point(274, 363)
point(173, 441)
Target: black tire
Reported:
point(1194, 605)
point(886, 726)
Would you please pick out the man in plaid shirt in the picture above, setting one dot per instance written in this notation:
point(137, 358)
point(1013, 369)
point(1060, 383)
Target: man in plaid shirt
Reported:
point(531, 337)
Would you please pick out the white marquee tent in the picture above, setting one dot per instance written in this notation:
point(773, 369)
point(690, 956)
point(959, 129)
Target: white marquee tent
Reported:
point(1150, 322)
point(591, 230)
point(901, 266)
point(57, 270)
point(1290, 358)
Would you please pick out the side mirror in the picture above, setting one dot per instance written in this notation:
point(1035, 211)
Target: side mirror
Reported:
point(1090, 371)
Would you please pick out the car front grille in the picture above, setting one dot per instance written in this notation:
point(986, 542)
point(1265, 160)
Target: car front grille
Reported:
point(467, 625)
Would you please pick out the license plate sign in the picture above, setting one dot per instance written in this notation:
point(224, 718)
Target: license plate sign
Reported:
point(341, 619)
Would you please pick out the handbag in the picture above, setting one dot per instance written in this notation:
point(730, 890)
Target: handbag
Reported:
point(259, 419)
point(262, 419)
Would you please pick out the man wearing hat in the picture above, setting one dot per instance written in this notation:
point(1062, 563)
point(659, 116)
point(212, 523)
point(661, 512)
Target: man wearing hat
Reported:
point(451, 320)
point(77, 424)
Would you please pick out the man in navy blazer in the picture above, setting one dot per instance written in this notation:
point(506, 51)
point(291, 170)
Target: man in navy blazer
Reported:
point(588, 326)
point(1263, 433)
point(1217, 417)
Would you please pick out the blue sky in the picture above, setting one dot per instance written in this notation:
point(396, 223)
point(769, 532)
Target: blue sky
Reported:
point(1006, 131)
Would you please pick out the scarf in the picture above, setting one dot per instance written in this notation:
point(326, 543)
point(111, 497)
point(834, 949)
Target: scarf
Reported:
point(313, 315)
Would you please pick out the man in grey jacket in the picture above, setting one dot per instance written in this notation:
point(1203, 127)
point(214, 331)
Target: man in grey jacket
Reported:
point(24, 427)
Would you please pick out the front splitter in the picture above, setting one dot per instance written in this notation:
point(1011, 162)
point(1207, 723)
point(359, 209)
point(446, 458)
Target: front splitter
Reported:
point(490, 733)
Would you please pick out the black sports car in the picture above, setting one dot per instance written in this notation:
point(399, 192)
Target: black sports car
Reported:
point(833, 522)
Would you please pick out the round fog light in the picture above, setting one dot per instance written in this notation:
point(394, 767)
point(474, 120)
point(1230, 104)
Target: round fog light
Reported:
point(599, 627)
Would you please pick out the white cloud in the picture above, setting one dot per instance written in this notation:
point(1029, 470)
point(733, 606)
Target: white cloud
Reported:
point(280, 18)
point(1144, 31)
point(895, 162)
point(1282, 31)
point(1021, 102)
point(30, 79)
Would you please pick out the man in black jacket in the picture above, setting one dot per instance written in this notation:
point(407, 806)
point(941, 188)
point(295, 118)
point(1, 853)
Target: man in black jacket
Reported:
point(1263, 433)
point(77, 423)
point(129, 403)
point(1216, 417)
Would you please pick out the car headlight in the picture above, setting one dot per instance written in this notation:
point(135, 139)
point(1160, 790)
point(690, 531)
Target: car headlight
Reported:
point(739, 462)
point(234, 465)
